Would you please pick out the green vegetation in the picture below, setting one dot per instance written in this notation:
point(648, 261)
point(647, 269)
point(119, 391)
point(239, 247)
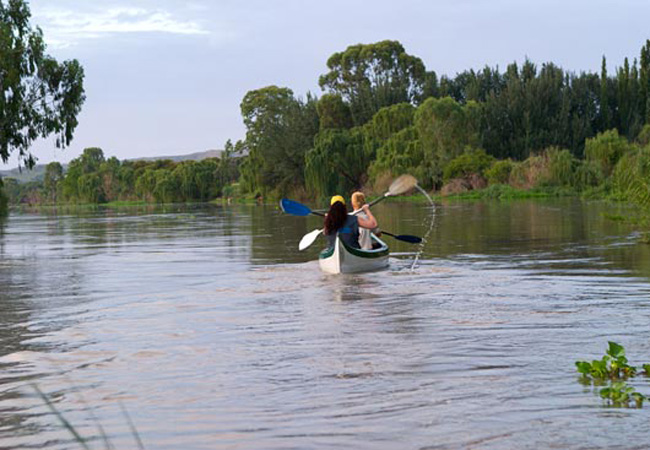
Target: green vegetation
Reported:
point(480, 134)
point(93, 179)
point(3, 199)
point(613, 370)
point(38, 95)
point(383, 114)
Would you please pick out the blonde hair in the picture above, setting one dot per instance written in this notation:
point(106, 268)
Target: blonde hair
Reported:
point(358, 200)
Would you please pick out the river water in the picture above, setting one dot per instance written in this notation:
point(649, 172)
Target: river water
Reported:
point(211, 331)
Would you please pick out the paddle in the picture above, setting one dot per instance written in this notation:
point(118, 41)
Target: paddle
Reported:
point(310, 237)
point(400, 186)
point(404, 237)
point(297, 209)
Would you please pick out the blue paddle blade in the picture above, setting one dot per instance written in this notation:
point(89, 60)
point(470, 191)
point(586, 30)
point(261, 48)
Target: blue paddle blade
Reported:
point(294, 208)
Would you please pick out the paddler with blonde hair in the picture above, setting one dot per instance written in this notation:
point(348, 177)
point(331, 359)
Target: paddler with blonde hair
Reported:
point(358, 202)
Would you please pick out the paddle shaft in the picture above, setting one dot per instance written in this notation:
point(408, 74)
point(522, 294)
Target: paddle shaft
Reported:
point(402, 237)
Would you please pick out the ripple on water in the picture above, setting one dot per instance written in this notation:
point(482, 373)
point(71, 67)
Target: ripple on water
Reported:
point(214, 335)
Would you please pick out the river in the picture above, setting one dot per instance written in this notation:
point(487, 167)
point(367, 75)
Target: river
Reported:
point(211, 331)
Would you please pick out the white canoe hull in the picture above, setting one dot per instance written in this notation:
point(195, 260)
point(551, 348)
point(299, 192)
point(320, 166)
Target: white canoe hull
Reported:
point(343, 259)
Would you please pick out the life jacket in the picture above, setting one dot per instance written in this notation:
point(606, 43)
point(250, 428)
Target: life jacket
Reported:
point(349, 233)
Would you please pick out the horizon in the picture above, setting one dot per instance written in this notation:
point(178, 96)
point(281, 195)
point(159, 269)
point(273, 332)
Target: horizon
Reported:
point(167, 77)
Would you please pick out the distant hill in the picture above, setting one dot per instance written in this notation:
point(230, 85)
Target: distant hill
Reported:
point(38, 172)
point(189, 157)
point(25, 175)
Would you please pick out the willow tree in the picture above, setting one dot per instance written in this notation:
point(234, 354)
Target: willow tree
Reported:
point(402, 153)
point(341, 158)
point(39, 96)
point(371, 76)
point(336, 163)
point(279, 131)
point(52, 178)
point(445, 128)
point(333, 112)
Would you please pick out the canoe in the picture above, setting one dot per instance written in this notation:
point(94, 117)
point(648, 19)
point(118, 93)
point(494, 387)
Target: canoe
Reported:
point(345, 259)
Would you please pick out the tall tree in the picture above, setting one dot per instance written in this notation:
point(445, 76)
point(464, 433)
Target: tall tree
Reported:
point(605, 109)
point(333, 112)
point(51, 180)
point(38, 95)
point(371, 76)
point(644, 80)
point(279, 131)
point(445, 129)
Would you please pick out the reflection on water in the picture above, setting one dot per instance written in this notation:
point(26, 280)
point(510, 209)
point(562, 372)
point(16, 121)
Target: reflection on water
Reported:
point(215, 332)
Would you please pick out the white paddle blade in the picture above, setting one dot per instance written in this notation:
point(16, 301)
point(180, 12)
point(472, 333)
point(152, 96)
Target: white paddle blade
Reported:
point(308, 239)
point(402, 184)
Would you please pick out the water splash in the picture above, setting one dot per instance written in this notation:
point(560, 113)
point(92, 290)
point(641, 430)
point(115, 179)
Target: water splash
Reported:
point(426, 235)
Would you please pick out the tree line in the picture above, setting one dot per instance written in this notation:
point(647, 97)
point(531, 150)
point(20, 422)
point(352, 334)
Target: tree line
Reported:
point(92, 178)
point(383, 113)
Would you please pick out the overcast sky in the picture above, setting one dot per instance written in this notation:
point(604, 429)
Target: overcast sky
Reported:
point(166, 77)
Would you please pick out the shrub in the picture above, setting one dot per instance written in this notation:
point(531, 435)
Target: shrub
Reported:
point(231, 190)
point(644, 136)
point(470, 162)
point(588, 174)
point(528, 174)
point(561, 165)
point(606, 149)
point(3, 200)
point(499, 172)
point(630, 177)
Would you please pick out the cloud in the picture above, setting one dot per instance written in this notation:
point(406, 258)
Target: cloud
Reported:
point(67, 27)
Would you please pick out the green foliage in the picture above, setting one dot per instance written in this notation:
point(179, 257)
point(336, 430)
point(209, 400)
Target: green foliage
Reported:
point(340, 158)
point(643, 139)
point(38, 95)
point(606, 149)
point(280, 131)
point(446, 128)
point(614, 369)
point(499, 172)
point(613, 365)
point(337, 163)
point(383, 126)
point(23, 193)
point(619, 394)
point(469, 163)
point(3, 199)
point(588, 174)
point(402, 153)
point(631, 177)
point(513, 115)
point(561, 167)
point(51, 181)
point(369, 77)
point(89, 188)
point(333, 112)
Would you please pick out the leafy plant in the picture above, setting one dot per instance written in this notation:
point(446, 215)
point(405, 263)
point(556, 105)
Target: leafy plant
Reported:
point(473, 161)
point(613, 365)
point(619, 394)
point(499, 172)
point(613, 368)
